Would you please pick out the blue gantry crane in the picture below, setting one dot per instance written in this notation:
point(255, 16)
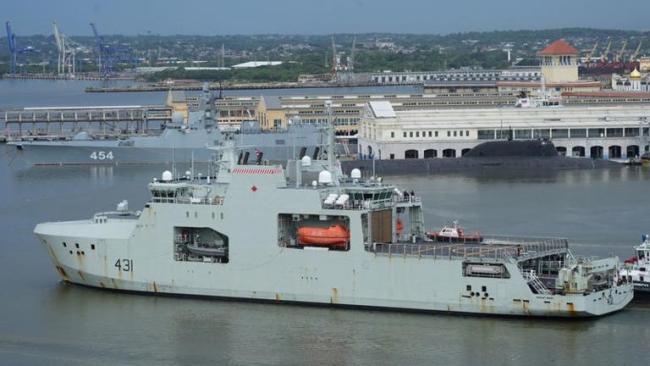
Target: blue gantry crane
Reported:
point(109, 55)
point(13, 50)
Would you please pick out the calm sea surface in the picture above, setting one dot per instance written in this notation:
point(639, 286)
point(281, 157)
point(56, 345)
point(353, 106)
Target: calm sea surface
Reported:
point(43, 321)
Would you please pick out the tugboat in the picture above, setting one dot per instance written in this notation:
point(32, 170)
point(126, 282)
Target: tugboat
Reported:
point(454, 234)
point(637, 268)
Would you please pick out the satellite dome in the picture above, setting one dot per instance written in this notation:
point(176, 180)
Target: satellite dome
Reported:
point(355, 173)
point(167, 176)
point(305, 161)
point(325, 177)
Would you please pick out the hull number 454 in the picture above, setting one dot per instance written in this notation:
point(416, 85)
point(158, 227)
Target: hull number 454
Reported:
point(101, 155)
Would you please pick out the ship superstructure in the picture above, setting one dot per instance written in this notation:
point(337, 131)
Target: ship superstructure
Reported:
point(637, 268)
point(310, 234)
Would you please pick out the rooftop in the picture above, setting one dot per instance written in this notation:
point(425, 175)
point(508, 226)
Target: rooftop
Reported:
point(559, 47)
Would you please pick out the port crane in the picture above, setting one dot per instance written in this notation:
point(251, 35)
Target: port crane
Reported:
point(619, 55)
point(591, 53)
point(66, 61)
point(14, 51)
point(108, 55)
point(605, 54)
point(634, 54)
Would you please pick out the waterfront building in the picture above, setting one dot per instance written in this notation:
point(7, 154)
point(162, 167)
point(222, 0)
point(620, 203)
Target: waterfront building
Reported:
point(596, 131)
point(635, 81)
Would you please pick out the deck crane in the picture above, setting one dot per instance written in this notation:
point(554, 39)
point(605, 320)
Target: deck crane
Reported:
point(619, 55)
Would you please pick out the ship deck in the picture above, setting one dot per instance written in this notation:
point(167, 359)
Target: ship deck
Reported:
point(492, 248)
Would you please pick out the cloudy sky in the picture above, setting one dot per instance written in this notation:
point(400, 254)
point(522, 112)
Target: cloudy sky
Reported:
point(210, 17)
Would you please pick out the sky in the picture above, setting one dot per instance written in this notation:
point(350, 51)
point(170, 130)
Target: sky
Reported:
point(217, 17)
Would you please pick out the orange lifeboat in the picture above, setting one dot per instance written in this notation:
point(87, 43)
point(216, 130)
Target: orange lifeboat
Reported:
point(336, 236)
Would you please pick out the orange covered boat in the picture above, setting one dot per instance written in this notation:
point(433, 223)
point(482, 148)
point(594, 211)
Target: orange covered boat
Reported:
point(336, 236)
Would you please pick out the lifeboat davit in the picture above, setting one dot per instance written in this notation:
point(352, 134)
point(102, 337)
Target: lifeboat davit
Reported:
point(336, 236)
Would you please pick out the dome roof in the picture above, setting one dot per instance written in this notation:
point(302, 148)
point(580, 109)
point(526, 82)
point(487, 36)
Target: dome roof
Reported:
point(635, 74)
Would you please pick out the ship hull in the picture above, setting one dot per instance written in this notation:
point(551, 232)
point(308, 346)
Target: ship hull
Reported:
point(28, 155)
point(362, 279)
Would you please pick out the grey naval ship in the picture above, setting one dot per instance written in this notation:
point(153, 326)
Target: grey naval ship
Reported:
point(180, 142)
point(320, 237)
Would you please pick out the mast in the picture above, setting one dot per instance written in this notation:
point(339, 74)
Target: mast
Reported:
point(330, 135)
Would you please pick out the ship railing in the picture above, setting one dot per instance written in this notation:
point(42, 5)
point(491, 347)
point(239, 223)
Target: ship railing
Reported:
point(217, 200)
point(519, 250)
point(443, 251)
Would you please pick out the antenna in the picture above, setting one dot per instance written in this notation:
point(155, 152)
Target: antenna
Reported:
point(330, 135)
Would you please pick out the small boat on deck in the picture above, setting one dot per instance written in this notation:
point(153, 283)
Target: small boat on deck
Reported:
point(454, 234)
point(209, 251)
point(337, 236)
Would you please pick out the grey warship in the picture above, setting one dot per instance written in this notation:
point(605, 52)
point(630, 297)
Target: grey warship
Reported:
point(320, 237)
point(179, 142)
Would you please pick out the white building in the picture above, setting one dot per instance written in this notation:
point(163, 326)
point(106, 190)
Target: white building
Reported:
point(584, 130)
point(634, 82)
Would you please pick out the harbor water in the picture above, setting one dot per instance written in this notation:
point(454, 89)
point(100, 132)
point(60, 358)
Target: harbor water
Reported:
point(45, 321)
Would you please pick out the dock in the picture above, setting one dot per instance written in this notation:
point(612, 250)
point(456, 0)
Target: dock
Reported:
point(158, 87)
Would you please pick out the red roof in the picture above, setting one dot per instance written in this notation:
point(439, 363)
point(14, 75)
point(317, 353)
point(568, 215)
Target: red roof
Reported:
point(559, 47)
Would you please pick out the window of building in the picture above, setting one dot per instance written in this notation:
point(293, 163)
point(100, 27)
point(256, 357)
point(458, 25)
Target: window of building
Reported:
point(448, 133)
point(454, 133)
point(560, 133)
point(467, 133)
point(485, 134)
point(578, 132)
point(542, 133)
point(429, 133)
point(392, 156)
point(417, 133)
point(596, 132)
point(411, 134)
point(632, 132)
point(404, 133)
point(522, 134)
point(392, 134)
point(436, 134)
point(614, 132)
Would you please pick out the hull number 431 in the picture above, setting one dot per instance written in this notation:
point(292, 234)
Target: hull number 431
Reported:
point(124, 265)
point(101, 155)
